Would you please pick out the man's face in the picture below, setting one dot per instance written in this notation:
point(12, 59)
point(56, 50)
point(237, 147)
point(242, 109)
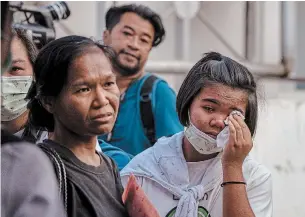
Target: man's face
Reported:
point(213, 105)
point(88, 103)
point(132, 40)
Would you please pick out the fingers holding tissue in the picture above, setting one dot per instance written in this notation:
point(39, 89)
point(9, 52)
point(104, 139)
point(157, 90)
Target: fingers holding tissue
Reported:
point(239, 141)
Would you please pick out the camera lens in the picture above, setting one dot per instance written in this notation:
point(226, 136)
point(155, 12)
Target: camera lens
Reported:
point(58, 10)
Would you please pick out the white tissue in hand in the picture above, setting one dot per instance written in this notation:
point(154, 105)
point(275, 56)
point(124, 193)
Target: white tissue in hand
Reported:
point(223, 137)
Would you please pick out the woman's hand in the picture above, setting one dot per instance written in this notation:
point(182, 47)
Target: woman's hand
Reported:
point(239, 145)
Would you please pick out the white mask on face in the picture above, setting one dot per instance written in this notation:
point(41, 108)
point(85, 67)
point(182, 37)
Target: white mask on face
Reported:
point(13, 92)
point(205, 144)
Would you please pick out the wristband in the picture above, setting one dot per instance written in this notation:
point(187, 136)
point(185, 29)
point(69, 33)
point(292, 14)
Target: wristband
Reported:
point(226, 183)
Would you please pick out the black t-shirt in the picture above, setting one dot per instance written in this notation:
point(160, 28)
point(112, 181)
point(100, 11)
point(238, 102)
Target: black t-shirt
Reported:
point(92, 191)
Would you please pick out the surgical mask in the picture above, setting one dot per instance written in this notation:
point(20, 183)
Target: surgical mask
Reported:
point(13, 92)
point(205, 144)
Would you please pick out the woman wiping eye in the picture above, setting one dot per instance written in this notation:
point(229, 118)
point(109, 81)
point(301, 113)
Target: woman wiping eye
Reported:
point(204, 170)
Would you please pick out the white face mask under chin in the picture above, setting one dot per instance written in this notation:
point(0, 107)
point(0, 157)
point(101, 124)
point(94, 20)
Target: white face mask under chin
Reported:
point(205, 144)
point(202, 142)
point(13, 92)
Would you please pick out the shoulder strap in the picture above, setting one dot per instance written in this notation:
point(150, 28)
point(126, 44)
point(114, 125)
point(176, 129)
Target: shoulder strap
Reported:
point(60, 171)
point(146, 108)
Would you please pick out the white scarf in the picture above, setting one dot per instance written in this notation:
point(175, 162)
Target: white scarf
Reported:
point(165, 164)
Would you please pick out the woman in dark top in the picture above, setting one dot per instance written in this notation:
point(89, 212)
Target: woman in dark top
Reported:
point(76, 98)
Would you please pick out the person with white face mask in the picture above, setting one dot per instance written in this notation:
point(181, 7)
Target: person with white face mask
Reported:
point(14, 90)
point(15, 83)
point(207, 170)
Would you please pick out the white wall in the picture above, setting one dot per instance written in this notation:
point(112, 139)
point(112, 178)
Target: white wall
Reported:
point(227, 17)
point(82, 21)
point(232, 16)
point(279, 144)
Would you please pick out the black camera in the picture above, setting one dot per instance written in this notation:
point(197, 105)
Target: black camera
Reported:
point(42, 28)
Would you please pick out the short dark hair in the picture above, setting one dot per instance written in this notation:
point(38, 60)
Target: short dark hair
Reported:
point(51, 72)
point(114, 14)
point(31, 49)
point(215, 68)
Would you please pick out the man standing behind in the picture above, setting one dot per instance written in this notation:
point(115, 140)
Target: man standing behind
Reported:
point(147, 109)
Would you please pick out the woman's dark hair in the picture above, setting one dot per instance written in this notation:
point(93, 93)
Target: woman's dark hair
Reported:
point(51, 72)
point(31, 49)
point(114, 14)
point(215, 68)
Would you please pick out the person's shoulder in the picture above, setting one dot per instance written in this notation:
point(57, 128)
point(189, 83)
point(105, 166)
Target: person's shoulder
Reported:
point(121, 157)
point(159, 86)
point(108, 160)
point(162, 88)
point(112, 150)
point(251, 164)
point(156, 81)
point(146, 162)
point(108, 153)
point(24, 150)
point(22, 157)
point(136, 161)
point(253, 171)
point(105, 146)
point(160, 83)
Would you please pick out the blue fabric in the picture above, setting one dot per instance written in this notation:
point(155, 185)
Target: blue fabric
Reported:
point(120, 157)
point(128, 132)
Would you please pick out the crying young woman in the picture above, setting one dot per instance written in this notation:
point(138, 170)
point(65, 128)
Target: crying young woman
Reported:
point(206, 170)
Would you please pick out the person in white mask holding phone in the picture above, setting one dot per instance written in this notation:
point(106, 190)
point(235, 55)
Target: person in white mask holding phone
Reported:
point(207, 170)
point(16, 81)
